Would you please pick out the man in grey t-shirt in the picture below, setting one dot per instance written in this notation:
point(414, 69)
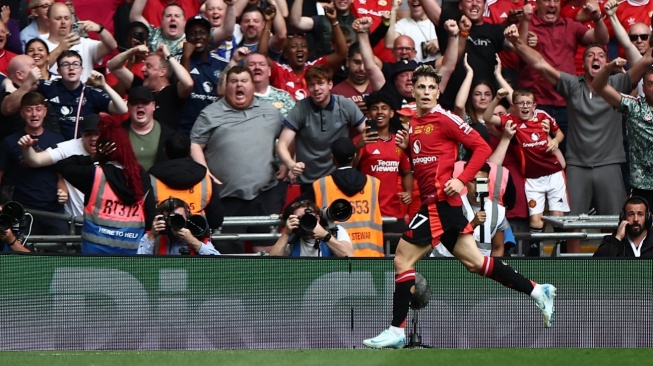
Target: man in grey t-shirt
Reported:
point(234, 137)
point(314, 124)
point(595, 144)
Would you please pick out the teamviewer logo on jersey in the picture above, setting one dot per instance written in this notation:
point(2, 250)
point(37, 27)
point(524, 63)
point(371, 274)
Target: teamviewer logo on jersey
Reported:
point(417, 147)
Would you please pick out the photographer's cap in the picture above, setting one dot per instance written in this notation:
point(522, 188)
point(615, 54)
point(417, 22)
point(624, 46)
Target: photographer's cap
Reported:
point(140, 93)
point(343, 150)
point(91, 123)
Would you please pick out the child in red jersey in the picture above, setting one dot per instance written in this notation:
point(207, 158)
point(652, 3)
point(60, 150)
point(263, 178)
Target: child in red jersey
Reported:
point(536, 149)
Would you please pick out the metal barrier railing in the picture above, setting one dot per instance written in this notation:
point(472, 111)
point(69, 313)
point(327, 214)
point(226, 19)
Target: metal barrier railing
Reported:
point(275, 221)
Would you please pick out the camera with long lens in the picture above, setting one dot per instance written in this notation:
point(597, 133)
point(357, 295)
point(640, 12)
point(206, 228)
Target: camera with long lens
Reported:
point(11, 215)
point(338, 210)
point(196, 224)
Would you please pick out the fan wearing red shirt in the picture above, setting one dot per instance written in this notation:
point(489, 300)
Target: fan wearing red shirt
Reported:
point(432, 141)
point(374, 9)
point(291, 77)
point(545, 179)
point(380, 157)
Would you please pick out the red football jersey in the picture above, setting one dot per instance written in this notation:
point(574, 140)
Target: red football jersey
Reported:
point(374, 9)
point(532, 142)
point(433, 147)
point(384, 160)
point(496, 12)
point(630, 12)
point(284, 78)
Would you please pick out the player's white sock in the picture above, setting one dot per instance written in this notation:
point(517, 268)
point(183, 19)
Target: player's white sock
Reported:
point(397, 330)
point(537, 291)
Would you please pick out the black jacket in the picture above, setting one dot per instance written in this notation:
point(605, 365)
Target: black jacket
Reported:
point(184, 174)
point(611, 247)
point(79, 171)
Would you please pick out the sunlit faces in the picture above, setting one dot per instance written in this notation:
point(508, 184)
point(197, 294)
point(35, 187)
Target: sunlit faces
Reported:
point(89, 140)
point(215, 11)
point(382, 113)
point(636, 217)
point(500, 110)
point(416, 10)
point(34, 115)
point(60, 19)
point(41, 9)
point(39, 52)
point(640, 35)
point(481, 97)
point(524, 106)
point(173, 22)
point(141, 112)
point(472, 9)
point(252, 24)
point(403, 48)
point(548, 10)
point(320, 91)
point(4, 33)
point(404, 84)
point(296, 52)
point(342, 5)
point(70, 69)
point(152, 69)
point(239, 90)
point(199, 36)
point(594, 59)
point(258, 65)
point(426, 92)
point(357, 73)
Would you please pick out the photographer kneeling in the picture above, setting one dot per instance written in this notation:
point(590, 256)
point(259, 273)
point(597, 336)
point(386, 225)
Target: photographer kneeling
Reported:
point(175, 231)
point(299, 240)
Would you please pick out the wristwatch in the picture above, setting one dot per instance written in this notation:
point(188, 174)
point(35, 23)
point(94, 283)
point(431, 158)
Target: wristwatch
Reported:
point(168, 57)
point(101, 29)
point(327, 237)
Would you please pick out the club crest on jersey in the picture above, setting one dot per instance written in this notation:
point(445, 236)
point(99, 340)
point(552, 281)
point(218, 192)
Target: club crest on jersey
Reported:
point(428, 129)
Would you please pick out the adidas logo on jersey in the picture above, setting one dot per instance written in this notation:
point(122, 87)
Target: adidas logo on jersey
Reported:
point(55, 100)
point(503, 15)
point(376, 152)
point(523, 125)
point(194, 71)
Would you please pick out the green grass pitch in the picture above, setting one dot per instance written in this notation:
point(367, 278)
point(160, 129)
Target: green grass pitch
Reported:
point(358, 357)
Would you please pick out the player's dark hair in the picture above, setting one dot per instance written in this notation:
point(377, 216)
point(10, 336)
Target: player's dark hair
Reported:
point(426, 71)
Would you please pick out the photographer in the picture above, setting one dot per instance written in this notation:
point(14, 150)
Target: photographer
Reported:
point(168, 238)
point(299, 241)
point(11, 221)
point(631, 239)
point(489, 224)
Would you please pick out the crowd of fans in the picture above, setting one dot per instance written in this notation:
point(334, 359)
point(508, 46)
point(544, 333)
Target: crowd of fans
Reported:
point(247, 102)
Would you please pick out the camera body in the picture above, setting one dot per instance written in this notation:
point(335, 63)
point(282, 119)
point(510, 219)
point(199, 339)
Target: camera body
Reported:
point(197, 224)
point(11, 215)
point(482, 188)
point(338, 210)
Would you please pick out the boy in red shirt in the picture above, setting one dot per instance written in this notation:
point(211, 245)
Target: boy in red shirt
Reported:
point(536, 150)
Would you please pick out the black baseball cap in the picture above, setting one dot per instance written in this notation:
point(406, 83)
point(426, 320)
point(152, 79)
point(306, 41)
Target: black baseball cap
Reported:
point(140, 93)
point(197, 19)
point(403, 65)
point(91, 123)
point(343, 150)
